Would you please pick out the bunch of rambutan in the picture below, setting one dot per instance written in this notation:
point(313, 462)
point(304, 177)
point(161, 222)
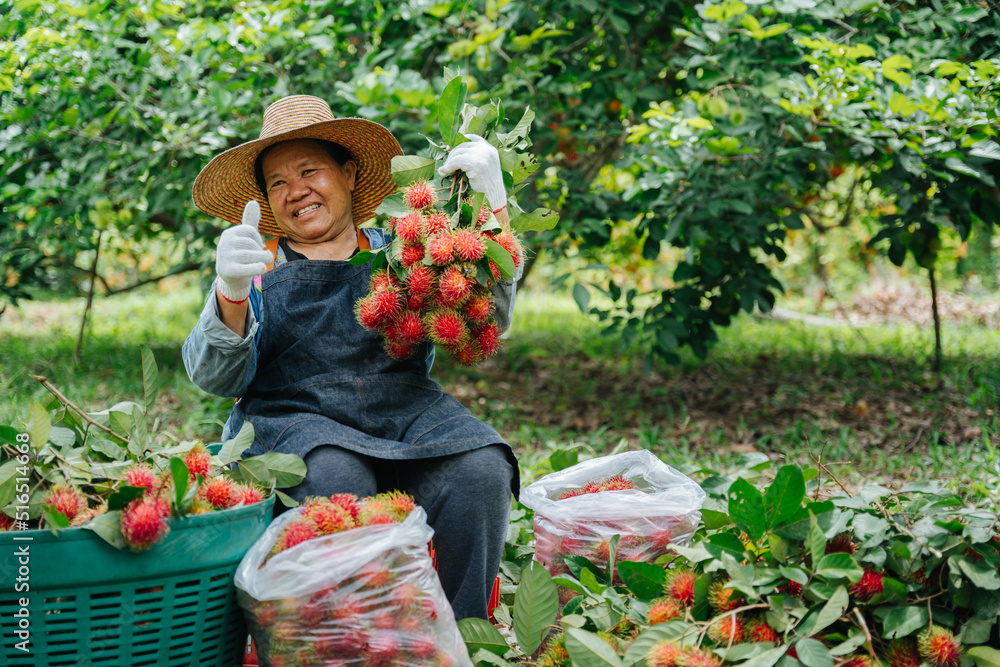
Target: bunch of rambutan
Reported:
point(388, 611)
point(641, 539)
point(432, 289)
point(342, 511)
point(144, 519)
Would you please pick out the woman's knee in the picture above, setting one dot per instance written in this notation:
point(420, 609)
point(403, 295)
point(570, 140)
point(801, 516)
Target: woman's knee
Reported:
point(331, 469)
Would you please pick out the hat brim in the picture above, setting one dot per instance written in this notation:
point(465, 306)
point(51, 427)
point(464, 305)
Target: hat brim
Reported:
point(227, 183)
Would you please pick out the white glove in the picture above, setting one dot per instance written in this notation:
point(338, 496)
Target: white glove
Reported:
point(481, 163)
point(240, 255)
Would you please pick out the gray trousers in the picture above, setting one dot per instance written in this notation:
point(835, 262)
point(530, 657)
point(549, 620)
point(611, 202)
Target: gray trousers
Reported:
point(466, 497)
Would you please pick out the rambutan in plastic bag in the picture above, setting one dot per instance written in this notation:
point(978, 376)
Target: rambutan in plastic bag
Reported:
point(663, 510)
point(366, 596)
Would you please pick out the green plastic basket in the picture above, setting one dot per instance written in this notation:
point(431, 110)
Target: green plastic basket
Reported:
point(91, 605)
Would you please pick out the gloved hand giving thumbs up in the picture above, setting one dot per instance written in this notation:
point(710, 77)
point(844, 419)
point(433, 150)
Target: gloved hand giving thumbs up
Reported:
point(240, 255)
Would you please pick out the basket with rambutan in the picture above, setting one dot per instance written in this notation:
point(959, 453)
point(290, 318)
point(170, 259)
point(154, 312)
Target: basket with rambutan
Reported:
point(449, 256)
point(348, 581)
point(580, 510)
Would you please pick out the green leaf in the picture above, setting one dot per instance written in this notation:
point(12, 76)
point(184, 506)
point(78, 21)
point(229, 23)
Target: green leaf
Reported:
point(479, 633)
point(483, 656)
point(577, 564)
point(582, 296)
point(150, 377)
point(639, 649)
point(55, 519)
point(361, 258)
point(108, 527)
point(746, 508)
point(563, 458)
point(891, 67)
point(984, 656)
point(256, 472)
point(123, 496)
point(817, 540)
point(287, 470)
point(839, 566)
point(179, 472)
point(536, 604)
point(138, 442)
point(813, 654)
point(766, 659)
point(831, 611)
point(901, 621)
point(39, 425)
point(591, 582)
point(449, 109)
point(407, 169)
point(521, 129)
point(393, 205)
point(285, 499)
point(848, 646)
point(232, 449)
point(588, 650)
point(645, 580)
point(979, 573)
point(501, 258)
point(541, 219)
point(784, 496)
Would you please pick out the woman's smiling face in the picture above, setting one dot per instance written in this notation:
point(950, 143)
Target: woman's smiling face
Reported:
point(309, 193)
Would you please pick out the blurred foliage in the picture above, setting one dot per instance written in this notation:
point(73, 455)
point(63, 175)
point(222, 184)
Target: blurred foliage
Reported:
point(697, 136)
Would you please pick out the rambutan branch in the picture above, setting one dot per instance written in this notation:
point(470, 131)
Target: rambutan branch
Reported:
point(868, 635)
point(68, 403)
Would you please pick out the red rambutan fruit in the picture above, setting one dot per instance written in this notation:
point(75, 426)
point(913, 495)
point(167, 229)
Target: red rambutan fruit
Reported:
point(330, 518)
point(436, 222)
point(219, 492)
point(140, 475)
point(723, 599)
point(842, 543)
point(424, 645)
point(478, 307)
point(83, 517)
point(412, 254)
point(66, 499)
point(487, 337)
point(246, 494)
point(903, 653)
point(400, 503)
point(663, 610)
point(311, 613)
point(939, 647)
point(409, 327)
point(509, 243)
point(727, 629)
point(869, 586)
point(143, 523)
point(348, 501)
point(617, 483)
point(406, 595)
point(441, 249)
point(264, 613)
point(382, 279)
point(410, 227)
point(453, 288)
point(384, 619)
point(680, 586)
point(294, 534)
point(198, 461)
point(399, 349)
point(419, 195)
point(446, 327)
point(381, 519)
point(697, 657)
point(758, 630)
point(391, 224)
point(570, 493)
point(793, 588)
point(592, 487)
point(853, 661)
point(465, 353)
point(664, 654)
point(661, 538)
point(484, 215)
point(6, 522)
point(421, 281)
point(469, 246)
point(375, 574)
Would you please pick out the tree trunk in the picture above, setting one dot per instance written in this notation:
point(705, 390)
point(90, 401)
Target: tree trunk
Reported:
point(90, 299)
point(937, 321)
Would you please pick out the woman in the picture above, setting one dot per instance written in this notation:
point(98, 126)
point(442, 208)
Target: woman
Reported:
point(310, 379)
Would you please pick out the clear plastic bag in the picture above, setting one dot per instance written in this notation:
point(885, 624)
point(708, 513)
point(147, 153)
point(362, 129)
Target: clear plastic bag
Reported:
point(365, 596)
point(663, 510)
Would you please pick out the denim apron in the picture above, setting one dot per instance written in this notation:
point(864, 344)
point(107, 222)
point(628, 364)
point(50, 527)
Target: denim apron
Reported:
point(322, 379)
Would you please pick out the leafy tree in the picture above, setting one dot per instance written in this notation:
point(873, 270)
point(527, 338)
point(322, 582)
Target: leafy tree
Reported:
point(699, 131)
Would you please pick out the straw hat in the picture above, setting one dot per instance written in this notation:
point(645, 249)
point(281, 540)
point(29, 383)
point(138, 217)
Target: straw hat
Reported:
point(227, 183)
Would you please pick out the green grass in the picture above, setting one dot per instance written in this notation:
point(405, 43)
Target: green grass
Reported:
point(865, 402)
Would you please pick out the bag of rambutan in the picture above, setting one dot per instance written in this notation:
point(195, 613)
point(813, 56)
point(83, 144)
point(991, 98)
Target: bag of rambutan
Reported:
point(340, 581)
point(634, 495)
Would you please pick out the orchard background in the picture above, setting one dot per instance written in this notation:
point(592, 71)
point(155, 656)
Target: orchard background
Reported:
point(765, 209)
